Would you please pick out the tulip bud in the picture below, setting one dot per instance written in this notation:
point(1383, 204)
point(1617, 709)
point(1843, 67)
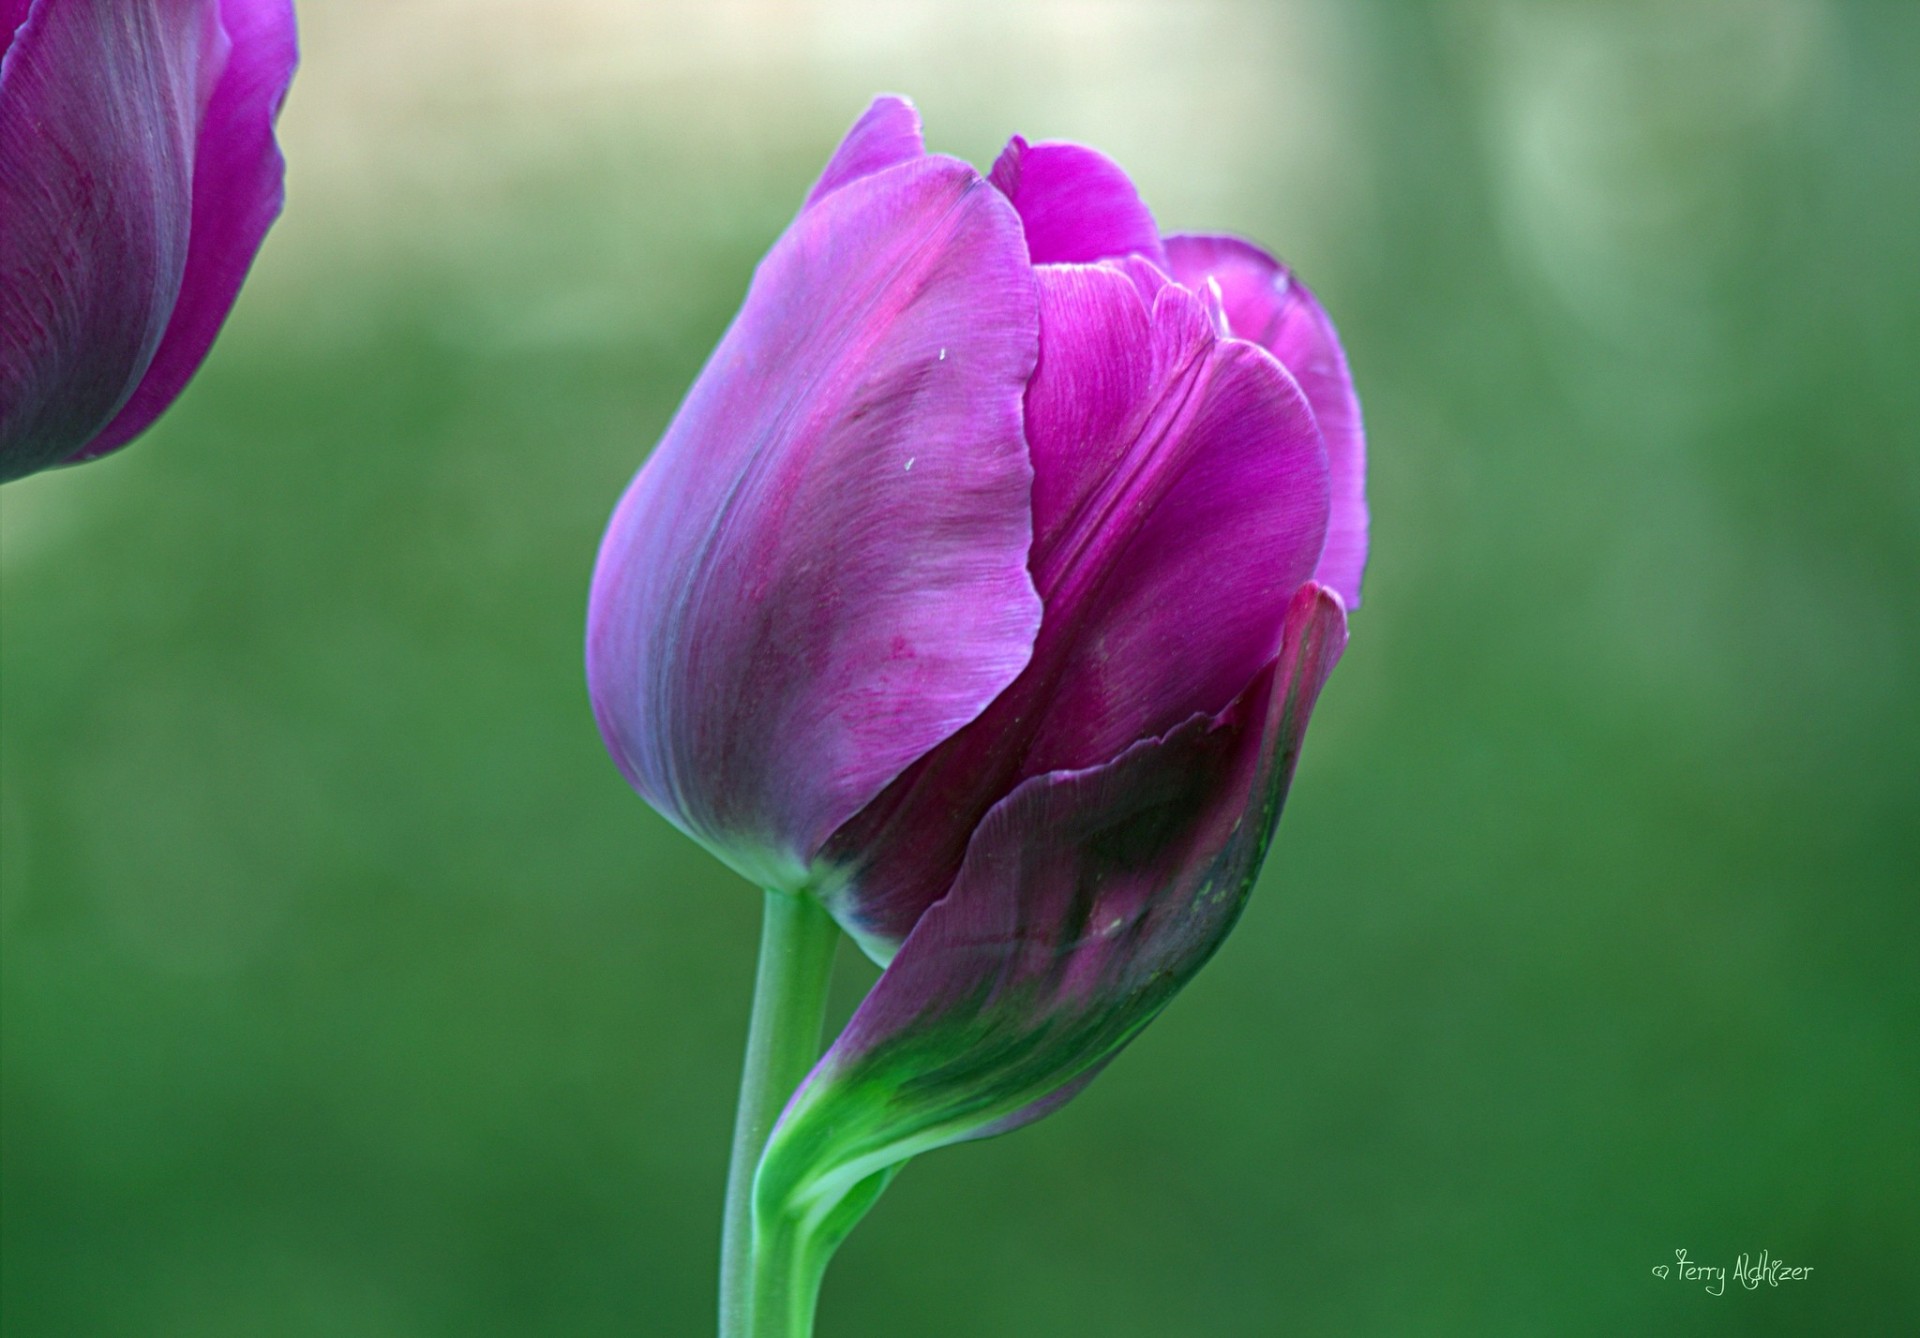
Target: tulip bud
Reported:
point(982, 589)
point(138, 176)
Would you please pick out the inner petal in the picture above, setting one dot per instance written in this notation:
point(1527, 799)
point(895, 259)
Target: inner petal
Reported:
point(1264, 302)
point(1078, 205)
point(1180, 497)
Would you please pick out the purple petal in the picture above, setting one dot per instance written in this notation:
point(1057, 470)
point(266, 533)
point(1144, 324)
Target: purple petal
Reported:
point(888, 132)
point(1265, 303)
point(1148, 277)
point(238, 177)
point(138, 174)
point(1087, 900)
point(821, 572)
point(1171, 542)
point(1076, 204)
point(13, 13)
point(1180, 497)
point(98, 106)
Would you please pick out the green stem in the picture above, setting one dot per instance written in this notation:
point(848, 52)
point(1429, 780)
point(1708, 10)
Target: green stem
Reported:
point(790, 1258)
point(783, 1300)
point(797, 940)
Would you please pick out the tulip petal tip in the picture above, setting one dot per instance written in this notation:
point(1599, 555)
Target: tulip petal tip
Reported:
point(887, 133)
point(1076, 204)
point(820, 573)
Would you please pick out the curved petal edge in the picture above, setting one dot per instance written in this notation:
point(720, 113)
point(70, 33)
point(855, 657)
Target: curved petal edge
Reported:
point(1180, 499)
point(238, 191)
point(821, 572)
point(888, 132)
point(97, 113)
point(1087, 900)
point(1077, 204)
point(1265, 303)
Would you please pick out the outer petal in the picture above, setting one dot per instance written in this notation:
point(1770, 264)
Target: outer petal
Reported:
point(1076, 203)
point(1087, 900)
point(1180, 497)
point(98, 109)
point(1265, 303)
point(238, 176)
point(888, 132)
point(821, 572)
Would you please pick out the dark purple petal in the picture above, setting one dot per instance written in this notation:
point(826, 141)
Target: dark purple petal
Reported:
point(1087, 900)
point(98, 110)
point(1076, 204)
point(821, 572)
point(13, 13)
point(1180, 497)
point(1265, 303)
point(238, 176)
point(888, 132)
point(138, 173)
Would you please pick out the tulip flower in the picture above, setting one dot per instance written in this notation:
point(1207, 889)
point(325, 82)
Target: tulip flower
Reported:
point(977, 597)
point(138, 176)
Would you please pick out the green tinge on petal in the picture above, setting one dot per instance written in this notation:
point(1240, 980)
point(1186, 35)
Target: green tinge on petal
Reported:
point(1087, 900)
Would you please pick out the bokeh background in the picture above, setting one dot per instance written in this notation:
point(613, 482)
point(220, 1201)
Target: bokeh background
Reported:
point(348, 991)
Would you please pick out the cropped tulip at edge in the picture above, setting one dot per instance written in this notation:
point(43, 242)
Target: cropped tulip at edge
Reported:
point(138, 177)
point(982, 588)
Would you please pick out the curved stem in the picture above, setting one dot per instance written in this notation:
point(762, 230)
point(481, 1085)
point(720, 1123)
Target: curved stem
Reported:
point(797, 940)
point(790, 1258)
point(783, 1302)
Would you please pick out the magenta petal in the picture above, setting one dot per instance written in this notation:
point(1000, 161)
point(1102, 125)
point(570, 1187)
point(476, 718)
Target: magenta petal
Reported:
point(1087, 900)
point(1180, 497)
point(237, 194)
point(98, 105)
point(1148, 277)
point(1265, 303)
point(888, 132)
point(1076, 204)
point(821, 572)
point(1170, 541)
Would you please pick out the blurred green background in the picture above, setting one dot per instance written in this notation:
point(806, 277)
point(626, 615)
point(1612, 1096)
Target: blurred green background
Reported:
point(348, 991)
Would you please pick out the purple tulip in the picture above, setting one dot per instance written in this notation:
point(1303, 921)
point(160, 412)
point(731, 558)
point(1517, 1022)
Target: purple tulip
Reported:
point(138, 176)
point(981, 589)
